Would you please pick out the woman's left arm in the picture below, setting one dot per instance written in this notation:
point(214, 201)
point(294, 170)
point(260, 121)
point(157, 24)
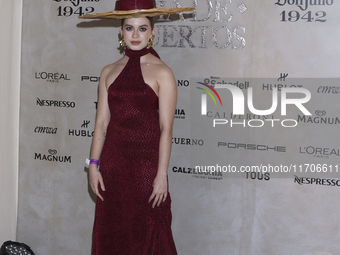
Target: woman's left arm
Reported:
point(167, 97)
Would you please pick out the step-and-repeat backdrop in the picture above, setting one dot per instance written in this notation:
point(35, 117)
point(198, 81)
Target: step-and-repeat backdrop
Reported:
point(255, 158)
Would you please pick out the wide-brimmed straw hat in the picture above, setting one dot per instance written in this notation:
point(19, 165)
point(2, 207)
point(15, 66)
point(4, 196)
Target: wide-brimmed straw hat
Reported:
point(135, 9)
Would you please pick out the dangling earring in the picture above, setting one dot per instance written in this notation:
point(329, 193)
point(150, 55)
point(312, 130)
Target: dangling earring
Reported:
point(122, 42)
point(150, 42)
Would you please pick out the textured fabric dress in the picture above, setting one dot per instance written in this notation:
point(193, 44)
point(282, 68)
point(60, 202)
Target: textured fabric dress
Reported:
point(125, 223)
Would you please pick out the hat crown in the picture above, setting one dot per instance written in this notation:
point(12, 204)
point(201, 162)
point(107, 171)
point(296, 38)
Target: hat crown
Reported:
point(135, 9)
point(128, 5)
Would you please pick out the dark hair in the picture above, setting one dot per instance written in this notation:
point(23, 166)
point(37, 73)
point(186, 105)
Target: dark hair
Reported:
point(152, 23)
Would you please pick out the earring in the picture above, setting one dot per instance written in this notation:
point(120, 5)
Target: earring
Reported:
point(150, 42)
point(122, 42)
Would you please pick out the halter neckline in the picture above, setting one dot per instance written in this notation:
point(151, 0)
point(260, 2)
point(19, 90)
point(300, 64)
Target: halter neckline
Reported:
point(137, 53)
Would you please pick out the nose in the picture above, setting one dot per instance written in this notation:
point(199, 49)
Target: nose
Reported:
point(135, 33)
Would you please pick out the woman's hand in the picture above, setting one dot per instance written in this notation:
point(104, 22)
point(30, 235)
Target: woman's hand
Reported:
point(160, 190)
point(96, 179)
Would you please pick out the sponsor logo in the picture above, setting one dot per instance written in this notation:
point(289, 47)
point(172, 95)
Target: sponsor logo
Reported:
point(254, 147)
point(217, 80)
point(52, 157)
point(76, 2)
point(302, 14)
point(328, 90)
point(198, 174)
point(55, 103)
point(316, 181)
point(320, 118)
point(278, 86)
point(187, 141)
point(183, 83)
point(75, 7)
point(179, 114)
point(229, 116)
point(304, 4)
point(51, 77)
point(90, 78)
point(45, 130)
point(81, 132)
point(318, 152)
point(258, 176)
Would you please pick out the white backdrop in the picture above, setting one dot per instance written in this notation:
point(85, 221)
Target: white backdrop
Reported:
point(61, 60)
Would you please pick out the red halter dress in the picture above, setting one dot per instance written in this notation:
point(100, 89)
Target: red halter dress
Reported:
point(125, 223)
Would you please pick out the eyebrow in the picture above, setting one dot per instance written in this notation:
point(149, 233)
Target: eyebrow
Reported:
point(132, 25)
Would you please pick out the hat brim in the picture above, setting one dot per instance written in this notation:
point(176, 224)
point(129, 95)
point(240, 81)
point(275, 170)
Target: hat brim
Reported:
point(136, 13)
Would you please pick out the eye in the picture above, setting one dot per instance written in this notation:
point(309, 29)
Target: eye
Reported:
point(128, 28)
point(143, 29)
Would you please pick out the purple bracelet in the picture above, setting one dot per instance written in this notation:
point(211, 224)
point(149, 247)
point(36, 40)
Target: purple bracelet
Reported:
point(94, 161)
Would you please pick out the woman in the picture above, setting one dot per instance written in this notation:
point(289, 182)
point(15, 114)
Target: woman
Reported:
point(132, 137)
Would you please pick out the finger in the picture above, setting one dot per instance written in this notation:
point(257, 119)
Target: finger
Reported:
point(159, 200)
point(151, 197)
point(98, 194)
point(102, 186)
point(154, 202)
point(165, 196)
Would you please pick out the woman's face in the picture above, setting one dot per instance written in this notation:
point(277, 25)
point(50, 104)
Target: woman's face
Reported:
point(137, 32)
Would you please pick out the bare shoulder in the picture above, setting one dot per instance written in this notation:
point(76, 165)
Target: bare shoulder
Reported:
point(111, 67)
point(165, 75)
point(110, 72)
point(158, 64)
point(158, 69)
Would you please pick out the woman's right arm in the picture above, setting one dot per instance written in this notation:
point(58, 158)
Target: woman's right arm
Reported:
point(102, 120)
